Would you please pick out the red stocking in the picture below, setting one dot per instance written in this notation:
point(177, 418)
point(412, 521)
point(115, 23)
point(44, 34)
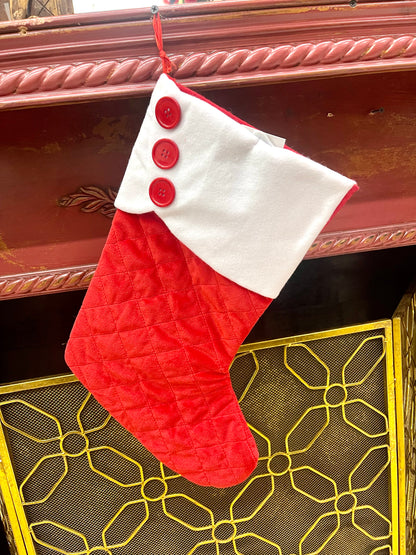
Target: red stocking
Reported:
point(213, 218)
point(153, 342)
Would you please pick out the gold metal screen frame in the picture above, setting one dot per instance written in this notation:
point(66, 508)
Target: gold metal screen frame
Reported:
point(12, 498)
point(404, 336)
point(15, 518)
point(397, 501)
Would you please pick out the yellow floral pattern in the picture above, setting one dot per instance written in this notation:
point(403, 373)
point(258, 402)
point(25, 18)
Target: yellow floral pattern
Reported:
point(246, 519)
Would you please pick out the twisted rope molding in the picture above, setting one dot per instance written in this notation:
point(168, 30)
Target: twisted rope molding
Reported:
point(68, 279)
point(221, 63)
point(331, 244)
point(54, 281)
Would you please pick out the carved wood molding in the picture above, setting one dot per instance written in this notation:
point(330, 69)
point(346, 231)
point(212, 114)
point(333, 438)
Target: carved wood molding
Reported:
point(94, 56)
point(331, 244)
point(327, 244)
point(303, 55)
point(39, 283)
point(283, 62)
point(92, 199)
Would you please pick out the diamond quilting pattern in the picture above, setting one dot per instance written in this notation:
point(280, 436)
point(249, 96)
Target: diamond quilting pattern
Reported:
point(153, 342)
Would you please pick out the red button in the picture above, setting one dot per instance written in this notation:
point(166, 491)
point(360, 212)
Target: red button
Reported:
point(162, 192)
point(168, 112)
point(165, 154)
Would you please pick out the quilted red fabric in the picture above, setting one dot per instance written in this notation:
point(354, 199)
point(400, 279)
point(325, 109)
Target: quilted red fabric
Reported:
point(153, 342)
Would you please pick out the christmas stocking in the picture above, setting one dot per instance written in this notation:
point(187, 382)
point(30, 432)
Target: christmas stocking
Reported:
point(213, 217)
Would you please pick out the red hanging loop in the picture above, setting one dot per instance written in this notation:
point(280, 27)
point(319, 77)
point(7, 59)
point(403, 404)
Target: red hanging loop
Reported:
point(157, 28)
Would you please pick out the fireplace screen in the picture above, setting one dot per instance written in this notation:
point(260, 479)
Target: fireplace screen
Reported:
point(322, 410)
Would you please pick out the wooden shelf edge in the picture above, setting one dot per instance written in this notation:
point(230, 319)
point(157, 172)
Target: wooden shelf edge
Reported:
point(327, 244)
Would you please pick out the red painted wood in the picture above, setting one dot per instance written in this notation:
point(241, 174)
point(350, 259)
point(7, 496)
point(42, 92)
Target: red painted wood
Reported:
point(73, 58)
point(171, 11)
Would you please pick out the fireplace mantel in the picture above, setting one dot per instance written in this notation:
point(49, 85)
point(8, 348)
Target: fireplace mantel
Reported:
point(337, 80)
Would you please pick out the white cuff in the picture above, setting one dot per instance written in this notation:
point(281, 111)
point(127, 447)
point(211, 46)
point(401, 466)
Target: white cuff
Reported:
point(245, 206)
